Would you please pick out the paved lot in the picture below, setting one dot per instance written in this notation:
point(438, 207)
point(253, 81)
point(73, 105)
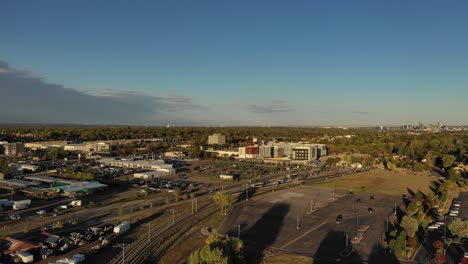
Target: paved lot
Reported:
point(271, 221)
point(456, 250)
point(464, 205)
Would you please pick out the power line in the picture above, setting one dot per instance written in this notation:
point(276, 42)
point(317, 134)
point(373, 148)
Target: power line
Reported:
point(122, 246)
point(149, 225)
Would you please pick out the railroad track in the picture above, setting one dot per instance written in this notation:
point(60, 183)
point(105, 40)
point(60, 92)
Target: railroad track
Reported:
point(141, 249)
point(138, 251)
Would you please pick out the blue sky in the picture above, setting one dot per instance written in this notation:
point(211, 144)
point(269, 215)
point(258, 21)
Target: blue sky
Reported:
point(236, 62)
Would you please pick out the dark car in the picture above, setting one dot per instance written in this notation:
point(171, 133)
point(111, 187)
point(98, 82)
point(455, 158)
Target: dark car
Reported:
point(339, 218)
point(358, 200)
point(372, 197)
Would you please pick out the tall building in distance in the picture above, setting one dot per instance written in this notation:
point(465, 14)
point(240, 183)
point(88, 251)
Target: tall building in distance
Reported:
point(13, 148)
point(216, 139)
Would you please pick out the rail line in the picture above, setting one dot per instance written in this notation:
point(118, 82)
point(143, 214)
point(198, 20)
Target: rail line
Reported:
point(142, 249)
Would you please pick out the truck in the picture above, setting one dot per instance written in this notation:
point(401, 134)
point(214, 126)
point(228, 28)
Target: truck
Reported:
point(257, 184)
point(75, 203)
point(122, 227)
point(63, 207)
point(21, 204)
point(25, 257)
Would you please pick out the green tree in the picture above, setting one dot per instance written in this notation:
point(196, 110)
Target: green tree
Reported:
point(453, 175)
point(219, 251)
point(459, 228)
point(412, 208)
point(223, 200)
point(448, 160)
point(409, 224)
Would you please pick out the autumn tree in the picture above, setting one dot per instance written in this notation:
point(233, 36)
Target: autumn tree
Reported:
point(219, 251)
point(459, 228)
point(409, 224)
point(223, 200)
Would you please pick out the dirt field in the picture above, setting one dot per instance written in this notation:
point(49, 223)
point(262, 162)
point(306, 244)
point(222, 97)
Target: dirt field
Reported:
point(382, 182)
point(288, 258)
point(283, 221)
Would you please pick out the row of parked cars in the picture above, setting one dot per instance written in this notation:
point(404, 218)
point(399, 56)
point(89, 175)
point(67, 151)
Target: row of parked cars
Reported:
point(453, 212)
point(455, 208)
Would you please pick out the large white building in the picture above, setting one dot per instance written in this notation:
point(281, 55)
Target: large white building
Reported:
point(296, 152)
point(216, 139)
point(151, 174)
point(88, 147)
point(156, 165)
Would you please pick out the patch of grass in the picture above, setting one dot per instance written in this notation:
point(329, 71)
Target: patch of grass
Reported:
point(288, 258)
point(380, 182)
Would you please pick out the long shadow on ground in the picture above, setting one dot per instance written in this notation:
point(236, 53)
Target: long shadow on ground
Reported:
point(333, 249)
point(263, 233)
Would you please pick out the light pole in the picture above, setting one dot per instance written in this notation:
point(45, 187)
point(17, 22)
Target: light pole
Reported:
point(122, 246)
point(149, 225)
point(173, 216)
point(247, 191)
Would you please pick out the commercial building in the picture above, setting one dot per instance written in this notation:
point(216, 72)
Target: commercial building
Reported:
point(228, 177)
point(174, 154)
point(295, 152)
point(216, 139)
point(249, 152)
point(223, 153)
point(100, 147)
point(266, 151)
point(157, 165)
point(13, 148)
point(151, 174)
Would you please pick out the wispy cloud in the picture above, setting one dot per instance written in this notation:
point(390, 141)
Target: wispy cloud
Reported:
point(28, 98)
point(276, 106)
point(363, 113)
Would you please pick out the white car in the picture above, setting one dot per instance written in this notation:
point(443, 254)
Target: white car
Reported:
point(432, 227)
point(41, 212)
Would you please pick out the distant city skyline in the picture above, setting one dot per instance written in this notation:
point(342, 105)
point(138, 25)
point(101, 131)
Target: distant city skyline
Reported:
point(243, 63)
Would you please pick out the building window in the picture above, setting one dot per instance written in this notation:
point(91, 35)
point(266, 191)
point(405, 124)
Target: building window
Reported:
point(301, 154)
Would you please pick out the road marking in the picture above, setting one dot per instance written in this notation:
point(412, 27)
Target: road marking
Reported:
point(303, 235)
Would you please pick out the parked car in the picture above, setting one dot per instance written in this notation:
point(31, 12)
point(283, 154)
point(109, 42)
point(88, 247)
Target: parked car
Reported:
point(41, 212)
point(339, 218)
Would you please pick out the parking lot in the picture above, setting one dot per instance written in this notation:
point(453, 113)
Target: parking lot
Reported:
point(283, 220)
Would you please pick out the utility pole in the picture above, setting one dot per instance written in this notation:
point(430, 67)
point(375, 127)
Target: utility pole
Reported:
point(247, 192)
point(149, 225)
point(196, 205)
point(122, 246)
point(173, 216)
point(297, 221)
point(192, 205)
point(394, 212)
point(334, 190)
point(238, 231)
point(387, 225)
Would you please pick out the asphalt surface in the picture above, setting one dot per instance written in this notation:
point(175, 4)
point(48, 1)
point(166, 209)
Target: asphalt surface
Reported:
point(456, 250)
point(283, 220)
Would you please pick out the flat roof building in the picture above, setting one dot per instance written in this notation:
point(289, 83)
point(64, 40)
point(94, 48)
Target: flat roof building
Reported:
point(157, 165)
point(13, 148)
point(216, 139)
